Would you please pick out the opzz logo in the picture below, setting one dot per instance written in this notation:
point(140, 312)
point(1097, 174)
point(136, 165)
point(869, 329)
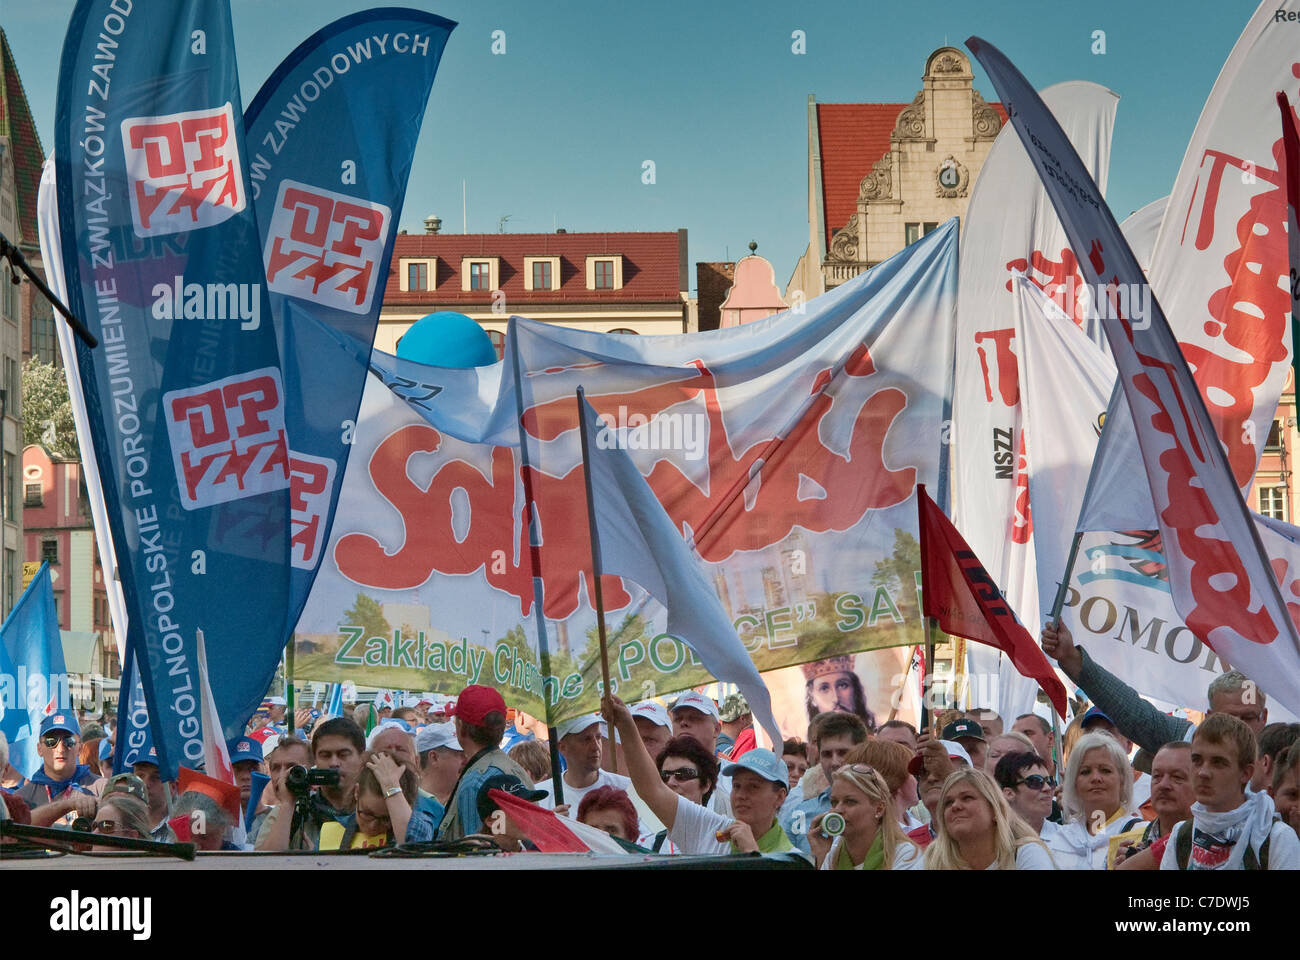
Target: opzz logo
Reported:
point(228, 439)
point(311, 487)
point(325, 247)
point(183, 171)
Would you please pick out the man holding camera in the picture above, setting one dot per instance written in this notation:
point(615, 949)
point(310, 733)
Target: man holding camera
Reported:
point(337, 746)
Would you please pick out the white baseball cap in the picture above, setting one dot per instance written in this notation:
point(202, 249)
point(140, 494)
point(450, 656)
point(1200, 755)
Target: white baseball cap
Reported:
point(579, 724)
point(434, 735)
point(653, 711)
point(696, 701)
point(277, 701)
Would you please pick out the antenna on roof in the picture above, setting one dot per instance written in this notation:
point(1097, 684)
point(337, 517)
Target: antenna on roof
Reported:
point(501, 222)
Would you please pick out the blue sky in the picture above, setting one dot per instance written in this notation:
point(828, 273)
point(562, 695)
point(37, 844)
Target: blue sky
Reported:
point(555, 131)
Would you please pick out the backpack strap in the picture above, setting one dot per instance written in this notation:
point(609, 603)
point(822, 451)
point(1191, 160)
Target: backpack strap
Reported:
point(1252, 862)
point(1249, 861)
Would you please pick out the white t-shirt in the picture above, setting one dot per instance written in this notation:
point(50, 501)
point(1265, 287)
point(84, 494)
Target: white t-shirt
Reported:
point(647, 840)
point(695, 829)
point(907, 856)
point(1074, 848)
point(573, 795)
point(1032, 856)
point(1283, 848)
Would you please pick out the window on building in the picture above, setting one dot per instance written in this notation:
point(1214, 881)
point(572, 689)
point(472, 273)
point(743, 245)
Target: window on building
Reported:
point(33, 495)
point(480, 276)
point(11, 486)
point(498, 342)
point(43, 335)
point(542, 275)
point(604, 274)
point(9, 296)
point(930, 227)
point(1272, 502)
point(911, 233)
point(50, 551)
point(14, 389)
point(11, 579)
point(417, 276)
point(1274, 436)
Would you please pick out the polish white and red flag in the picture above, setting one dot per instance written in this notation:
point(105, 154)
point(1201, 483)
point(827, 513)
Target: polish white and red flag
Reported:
point(216, 758)
point(1220, 576)
point(551, 833)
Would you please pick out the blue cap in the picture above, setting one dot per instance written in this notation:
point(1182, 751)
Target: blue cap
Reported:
point(145, 753)
point(765, 763)
point(244, 748)
point(1094, 714)
point(61, 720)
point(105, 749)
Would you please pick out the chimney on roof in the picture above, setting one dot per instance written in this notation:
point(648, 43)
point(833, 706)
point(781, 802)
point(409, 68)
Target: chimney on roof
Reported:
point(432, 224)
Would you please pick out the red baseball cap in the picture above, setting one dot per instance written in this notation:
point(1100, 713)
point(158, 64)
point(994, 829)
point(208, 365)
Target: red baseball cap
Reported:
point(476, 702)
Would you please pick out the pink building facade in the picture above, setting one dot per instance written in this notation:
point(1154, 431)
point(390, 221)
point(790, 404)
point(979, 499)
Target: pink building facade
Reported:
point(57, 530)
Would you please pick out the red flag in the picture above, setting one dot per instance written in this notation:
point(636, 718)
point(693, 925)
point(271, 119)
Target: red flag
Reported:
point(958, 592)
point(541, 826)
point(225, 794)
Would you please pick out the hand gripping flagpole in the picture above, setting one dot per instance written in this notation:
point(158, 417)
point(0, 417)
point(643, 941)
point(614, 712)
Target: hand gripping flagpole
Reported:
point(595, 557)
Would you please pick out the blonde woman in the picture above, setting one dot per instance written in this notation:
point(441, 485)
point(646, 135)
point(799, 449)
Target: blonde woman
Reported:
point(870, 838)
point(1097, 797)
point(979, 831)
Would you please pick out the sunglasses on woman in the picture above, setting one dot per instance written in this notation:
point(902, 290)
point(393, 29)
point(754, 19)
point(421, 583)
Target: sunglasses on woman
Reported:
point(684, 774)
point(109, 827)
point(1036, 781)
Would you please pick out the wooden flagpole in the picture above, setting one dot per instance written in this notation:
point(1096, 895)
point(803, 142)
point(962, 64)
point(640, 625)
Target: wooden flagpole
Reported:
point(535, 560)
point(1057, 606)
point(595, 557)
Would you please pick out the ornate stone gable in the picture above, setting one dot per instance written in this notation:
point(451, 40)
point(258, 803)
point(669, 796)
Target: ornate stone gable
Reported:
point(936, 147)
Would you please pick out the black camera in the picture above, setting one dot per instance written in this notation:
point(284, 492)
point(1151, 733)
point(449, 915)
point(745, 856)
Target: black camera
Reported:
point(300, 779)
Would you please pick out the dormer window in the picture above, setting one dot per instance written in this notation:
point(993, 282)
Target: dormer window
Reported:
point(541, 273)
point(416, 274)
point(604, 272)
point(479, 274)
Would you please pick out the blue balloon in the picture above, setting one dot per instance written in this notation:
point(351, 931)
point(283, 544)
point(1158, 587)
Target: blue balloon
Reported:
point(447, 339)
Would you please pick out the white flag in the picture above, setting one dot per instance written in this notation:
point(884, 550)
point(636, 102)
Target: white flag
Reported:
point(1220, 268)
point(1222, 580)
point(1010, 226)
point(638, 541)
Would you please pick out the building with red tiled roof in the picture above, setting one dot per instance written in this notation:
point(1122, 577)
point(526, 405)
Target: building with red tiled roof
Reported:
point(881, 175)
point(609, 282)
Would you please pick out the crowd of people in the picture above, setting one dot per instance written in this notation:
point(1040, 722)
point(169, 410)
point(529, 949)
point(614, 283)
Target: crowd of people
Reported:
point(1125, 786)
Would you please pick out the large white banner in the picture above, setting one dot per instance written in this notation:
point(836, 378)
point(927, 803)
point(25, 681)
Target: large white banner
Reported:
point(1011, 226)
point(1220, 268)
